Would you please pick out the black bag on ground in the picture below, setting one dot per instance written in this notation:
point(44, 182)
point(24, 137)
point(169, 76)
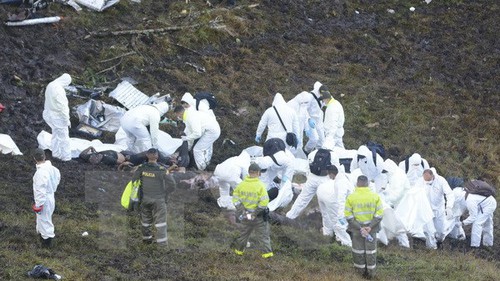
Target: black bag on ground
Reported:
point(291, 140)
point(183, 158)
point(43, 272)
point(271, 146)
point(321, 163)
point(479, 187)
point(212, 101)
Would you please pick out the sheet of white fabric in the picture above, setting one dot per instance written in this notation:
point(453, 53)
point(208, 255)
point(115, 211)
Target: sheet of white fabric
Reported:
point(167, 144)
point(8, 146)
point(415, 211)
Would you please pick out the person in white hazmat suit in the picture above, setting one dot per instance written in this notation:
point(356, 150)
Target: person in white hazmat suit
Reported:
point(313, 181)
point(481, 209)
point(414, 166)
point(441, 199)
point(371, 166)
point(282, 166)
point(397, 186)
point(334, 118)
point(135, 122)
point(315, 109)
point(201, 131)
point(228, 175)
point(56, 114)
point(271, 121)
point(332, 195)
point(300, 104)
point(45, 182)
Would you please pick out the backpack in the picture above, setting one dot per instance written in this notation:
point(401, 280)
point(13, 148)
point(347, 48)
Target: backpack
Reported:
point(479, 187)
point(271, 146)
point(376, 148)
point(212, 101)
point(321, 163)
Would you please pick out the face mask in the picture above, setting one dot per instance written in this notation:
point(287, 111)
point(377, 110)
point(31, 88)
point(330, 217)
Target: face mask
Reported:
point(429, 182)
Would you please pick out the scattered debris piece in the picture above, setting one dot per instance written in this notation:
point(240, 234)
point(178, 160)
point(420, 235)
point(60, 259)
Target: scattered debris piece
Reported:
point(33, 21)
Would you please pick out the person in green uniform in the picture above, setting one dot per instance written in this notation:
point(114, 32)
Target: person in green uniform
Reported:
point(364, 211)
point(250, 199)
point(156, 184)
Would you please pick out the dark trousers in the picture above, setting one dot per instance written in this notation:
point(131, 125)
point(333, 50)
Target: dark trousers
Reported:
point(364, 253)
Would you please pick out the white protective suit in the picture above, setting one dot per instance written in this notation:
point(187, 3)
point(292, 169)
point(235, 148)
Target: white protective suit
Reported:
point(397, 183)
point(315, 111)
point(300, 104)
point(284, 169)
point(332, 195)
point(334, 122)
point(416, 166)
point(459, 208)
point(270, 120)
point(370, 168)
point(56, 114)
point(229, 174)
point(310, 187)
point(481, 211)
point(441, 199)
point(202, 127)
point(134, 124)
point(45, 182)
point(397, 186)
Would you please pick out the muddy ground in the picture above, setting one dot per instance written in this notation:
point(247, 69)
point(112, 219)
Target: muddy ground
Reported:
point(444, 56)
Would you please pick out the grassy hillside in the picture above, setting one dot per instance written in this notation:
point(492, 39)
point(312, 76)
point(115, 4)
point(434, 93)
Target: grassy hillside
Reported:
point(423, 81)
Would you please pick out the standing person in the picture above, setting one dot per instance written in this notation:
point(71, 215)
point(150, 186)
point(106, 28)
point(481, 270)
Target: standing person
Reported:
point(414, 167)
point(201, 131)
point(136, 121)
point(251, 199)
point(334, 118)
point(45, 182)
point(441, 198)
point(332, 196)
point(56, 114)
point(364, 211)
point(317, 134)
point(276, 118)
point(156, 184)
point(300, 104)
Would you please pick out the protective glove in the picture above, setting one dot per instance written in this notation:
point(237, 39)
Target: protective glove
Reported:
point(164, 121)
point(284, 179)
point(257, 139)
point(184, 138)
point(36, 209)
point(312, 123)
point(309, 132)
point(342, 221)
point(449, 214)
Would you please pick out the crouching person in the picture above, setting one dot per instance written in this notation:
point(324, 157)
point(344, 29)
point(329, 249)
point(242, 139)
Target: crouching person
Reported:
point(363, 211)
point(156, 183)
point(250, 199)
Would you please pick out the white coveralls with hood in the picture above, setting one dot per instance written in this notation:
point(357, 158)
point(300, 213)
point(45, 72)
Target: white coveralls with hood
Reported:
point(317, 135)
point(203, 105)
point(311, 186)
point(202, 127)
point(284, 169)
point(416, 166)
point(370, 168)
point(229, 174)
point(334, 122)
point(397, 186)
point(135, 121)
point(481, 211)
point(45, 182)
point(271, 120)
point(442, 199)
point(300, 104)
point(332, 196)
point(56, 114)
